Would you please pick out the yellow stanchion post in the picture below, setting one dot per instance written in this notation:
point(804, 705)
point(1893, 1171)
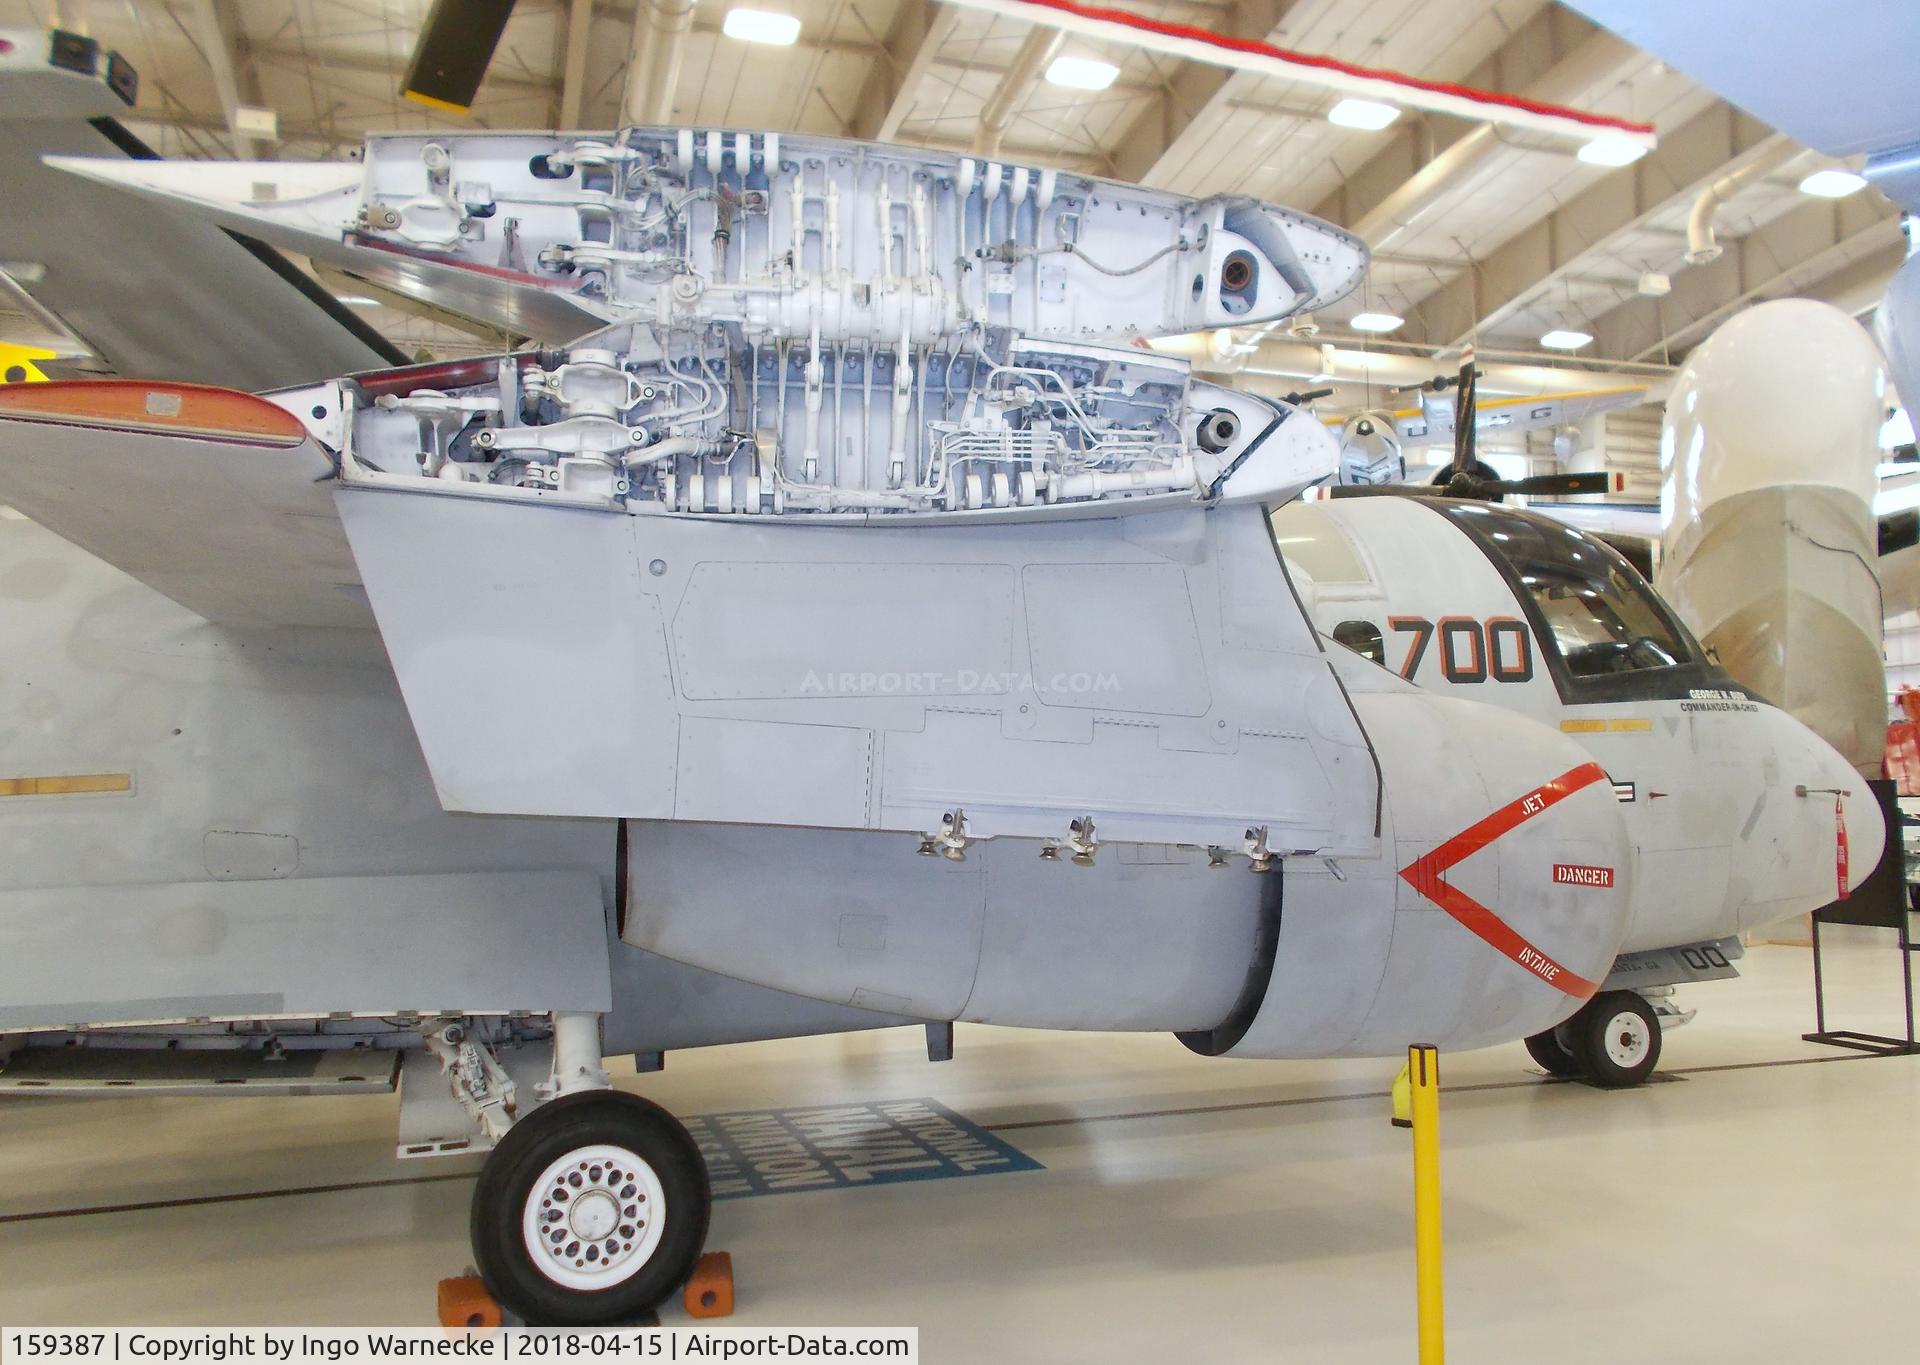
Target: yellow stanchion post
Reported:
point(1423, 1072)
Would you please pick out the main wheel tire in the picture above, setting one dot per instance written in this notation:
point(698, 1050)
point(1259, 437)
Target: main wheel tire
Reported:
point(591, 1210)
point(1616, 1039)
point(1551, 1051)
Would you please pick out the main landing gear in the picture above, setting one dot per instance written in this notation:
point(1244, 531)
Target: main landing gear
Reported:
point(592, 1208)
point(1613, 1042)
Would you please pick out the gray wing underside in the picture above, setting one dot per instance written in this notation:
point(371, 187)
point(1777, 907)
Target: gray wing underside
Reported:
point(239, 533)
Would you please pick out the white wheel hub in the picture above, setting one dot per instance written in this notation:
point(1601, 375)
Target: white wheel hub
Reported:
point(1628, 1040)
point(594, 1218)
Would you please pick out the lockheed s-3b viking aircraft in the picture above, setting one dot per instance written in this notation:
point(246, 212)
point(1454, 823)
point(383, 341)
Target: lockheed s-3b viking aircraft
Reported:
point(928, 640)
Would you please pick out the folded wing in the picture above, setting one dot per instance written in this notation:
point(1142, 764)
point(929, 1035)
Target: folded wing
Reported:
point(151, 290)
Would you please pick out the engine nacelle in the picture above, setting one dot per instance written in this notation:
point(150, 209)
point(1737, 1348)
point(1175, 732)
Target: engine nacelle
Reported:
point(1501, 904)
point(1495, 817)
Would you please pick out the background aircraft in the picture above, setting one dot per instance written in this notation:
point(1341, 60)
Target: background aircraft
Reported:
point(1391, 446)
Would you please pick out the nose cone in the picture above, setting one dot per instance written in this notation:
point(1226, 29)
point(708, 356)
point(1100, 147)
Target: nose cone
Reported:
point(1817, 826)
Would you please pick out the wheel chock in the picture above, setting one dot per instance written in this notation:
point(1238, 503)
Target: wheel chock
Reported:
point(709, 1291)
point(465, 1302)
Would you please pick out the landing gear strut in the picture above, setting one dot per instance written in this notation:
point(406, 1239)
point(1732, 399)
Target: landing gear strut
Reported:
point(592, 1209)
point(1613, 1042)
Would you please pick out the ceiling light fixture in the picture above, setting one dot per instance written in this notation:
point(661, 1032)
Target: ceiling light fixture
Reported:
point(1563, 339)
point(1833, 183)
point(761, 26)
point(1374, 322)
point(1370, 115)
point(1081, 73)
point(253, 120)
point(1610, 149)
point(358, 301)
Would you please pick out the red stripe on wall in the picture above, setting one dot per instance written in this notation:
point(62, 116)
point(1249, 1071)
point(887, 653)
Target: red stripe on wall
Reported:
point(1263, 49)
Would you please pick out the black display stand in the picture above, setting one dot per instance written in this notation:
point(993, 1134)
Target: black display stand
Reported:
point(1883, 901)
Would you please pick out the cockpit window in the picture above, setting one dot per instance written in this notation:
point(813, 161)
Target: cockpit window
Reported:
point(1589, 605)
point(1363, 638)
point(1313, 543)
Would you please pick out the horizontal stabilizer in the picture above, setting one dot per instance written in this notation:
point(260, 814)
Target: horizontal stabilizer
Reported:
point(220, 500)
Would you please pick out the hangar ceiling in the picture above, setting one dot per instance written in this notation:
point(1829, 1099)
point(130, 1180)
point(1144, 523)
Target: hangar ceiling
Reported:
point(1478, 234)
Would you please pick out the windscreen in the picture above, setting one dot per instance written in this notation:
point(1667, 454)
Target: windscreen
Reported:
point(1591, 608)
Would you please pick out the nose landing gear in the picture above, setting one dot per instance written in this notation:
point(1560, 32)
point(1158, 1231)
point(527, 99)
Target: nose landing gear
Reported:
point(1613, 1042)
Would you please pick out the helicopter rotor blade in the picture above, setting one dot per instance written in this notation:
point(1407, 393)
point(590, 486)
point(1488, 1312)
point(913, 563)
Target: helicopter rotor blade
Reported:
point(1560, 485)
point(1448, 484)
point(1466, 409)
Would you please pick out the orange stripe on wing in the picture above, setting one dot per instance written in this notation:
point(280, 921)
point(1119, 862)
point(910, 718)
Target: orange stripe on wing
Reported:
point(197, 410)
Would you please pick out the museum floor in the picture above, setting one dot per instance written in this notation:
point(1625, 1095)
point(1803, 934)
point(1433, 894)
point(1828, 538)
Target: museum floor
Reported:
point(1758, 1204)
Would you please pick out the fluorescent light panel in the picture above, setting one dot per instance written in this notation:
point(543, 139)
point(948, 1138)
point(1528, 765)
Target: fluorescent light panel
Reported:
point(1890, 500)
point(1375, 322)
point(1833, 183)
point(252, 120)
point(1370, 115)
point(1563, 339)
point(1081, 73)
point(761, 26)
point(1610, 149)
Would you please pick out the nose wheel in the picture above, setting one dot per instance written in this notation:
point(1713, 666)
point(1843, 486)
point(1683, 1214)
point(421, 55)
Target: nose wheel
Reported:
point(1613, 1042)
point(591, 1210)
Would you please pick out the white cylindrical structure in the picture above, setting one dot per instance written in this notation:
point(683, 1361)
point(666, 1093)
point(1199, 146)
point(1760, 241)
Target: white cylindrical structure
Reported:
point(653, 61)
point(1768, 455)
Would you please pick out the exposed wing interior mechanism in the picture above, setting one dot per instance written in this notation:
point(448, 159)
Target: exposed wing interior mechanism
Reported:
point(851, 412)
point(554, 236)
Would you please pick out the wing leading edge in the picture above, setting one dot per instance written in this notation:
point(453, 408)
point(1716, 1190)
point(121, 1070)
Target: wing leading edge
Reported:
point(219, 500)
